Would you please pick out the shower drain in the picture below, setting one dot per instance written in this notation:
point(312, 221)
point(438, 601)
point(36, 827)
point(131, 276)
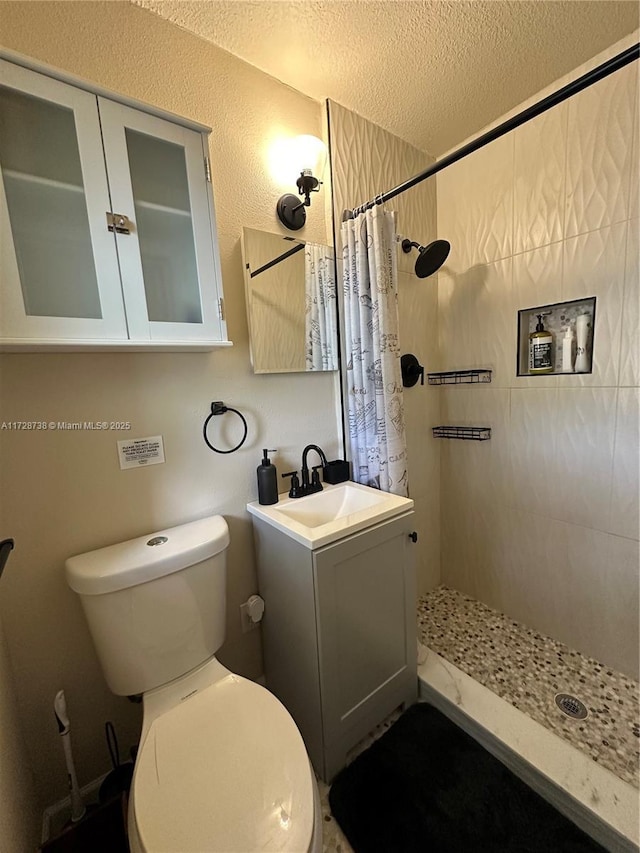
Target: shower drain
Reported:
point(571, 706)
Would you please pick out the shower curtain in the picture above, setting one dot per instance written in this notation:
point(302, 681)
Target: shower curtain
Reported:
point(374, 380)
point(320, 308)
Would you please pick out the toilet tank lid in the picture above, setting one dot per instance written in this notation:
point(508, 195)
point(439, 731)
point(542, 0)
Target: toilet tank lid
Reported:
point(147, 557)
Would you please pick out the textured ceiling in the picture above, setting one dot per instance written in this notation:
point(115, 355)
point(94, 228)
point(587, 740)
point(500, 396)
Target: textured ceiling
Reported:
point(432, 72)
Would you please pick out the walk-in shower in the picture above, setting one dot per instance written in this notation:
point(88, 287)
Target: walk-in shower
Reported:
point(533, 533)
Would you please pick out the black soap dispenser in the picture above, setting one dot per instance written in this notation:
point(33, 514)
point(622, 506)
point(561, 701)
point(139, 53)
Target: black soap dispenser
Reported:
point(267, 480)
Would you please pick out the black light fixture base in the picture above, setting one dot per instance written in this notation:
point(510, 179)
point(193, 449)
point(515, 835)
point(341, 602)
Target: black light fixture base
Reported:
point(291, 212)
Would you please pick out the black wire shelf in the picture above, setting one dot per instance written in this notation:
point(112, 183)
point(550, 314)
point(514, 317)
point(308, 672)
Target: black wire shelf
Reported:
point(463, 432)
point(459, 377)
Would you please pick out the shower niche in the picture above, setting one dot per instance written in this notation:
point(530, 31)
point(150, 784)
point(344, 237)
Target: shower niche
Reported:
point(556, 339)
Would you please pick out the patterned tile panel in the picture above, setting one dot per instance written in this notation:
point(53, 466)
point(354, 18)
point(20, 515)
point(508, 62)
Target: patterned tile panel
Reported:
point(599, 583)
point(583, 463)
point(528, 669)
point(476, 328)
point(483, 467)
point(532, 437)
point(630, 343)
point(367, 160)
point(540, 154)
point(594, 265)
point(625, 506)
point(599, 153)
point(634, 192)
point(477, 216)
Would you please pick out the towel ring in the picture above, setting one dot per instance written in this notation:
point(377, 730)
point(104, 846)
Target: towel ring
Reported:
point(219, 408)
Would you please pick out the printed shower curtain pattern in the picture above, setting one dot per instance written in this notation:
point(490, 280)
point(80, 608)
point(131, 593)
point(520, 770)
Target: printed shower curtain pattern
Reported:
point(374, 380)
point(320, 308)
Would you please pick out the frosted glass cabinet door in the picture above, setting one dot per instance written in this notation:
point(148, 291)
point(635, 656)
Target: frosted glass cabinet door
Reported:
point(170, 272)
point(58, 266)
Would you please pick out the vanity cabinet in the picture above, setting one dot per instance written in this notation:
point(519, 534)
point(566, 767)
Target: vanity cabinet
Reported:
point(339, 632)
point(107, 223)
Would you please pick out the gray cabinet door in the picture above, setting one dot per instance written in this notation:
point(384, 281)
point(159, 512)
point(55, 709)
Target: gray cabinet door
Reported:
point(365, 612)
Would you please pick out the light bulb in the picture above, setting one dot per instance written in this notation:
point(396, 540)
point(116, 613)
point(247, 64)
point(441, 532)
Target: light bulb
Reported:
point(309, 152)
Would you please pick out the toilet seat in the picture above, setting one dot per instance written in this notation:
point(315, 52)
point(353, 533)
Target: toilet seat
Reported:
point(224, 770)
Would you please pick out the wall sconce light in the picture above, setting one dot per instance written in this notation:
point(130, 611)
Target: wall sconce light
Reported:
point(310, 153)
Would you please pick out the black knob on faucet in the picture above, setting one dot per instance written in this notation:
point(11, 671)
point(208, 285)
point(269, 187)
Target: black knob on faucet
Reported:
point(294, 491)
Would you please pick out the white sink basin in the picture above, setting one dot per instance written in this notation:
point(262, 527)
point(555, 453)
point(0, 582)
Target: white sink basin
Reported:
point(326, 506)
point(331, 514)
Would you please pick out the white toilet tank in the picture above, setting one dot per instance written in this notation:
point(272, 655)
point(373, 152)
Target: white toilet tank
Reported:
point(155, 605)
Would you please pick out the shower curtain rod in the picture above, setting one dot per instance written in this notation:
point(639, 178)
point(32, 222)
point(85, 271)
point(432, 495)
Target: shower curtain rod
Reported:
point(609, 67)
point(283, 257)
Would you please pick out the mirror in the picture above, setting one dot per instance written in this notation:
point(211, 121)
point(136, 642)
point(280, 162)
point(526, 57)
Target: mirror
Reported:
point(290, 291)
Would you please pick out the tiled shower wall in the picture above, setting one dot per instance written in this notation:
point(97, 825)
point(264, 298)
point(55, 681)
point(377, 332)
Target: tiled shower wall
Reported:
point(541, 522)
point(365, 161)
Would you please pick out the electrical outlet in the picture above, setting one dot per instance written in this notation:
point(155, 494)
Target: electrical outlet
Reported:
point(245, 620)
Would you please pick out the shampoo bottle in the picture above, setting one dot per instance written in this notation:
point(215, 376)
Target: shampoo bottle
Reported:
point(567, 351)
point(540, 349)
point(582, 336)
point(267, 480)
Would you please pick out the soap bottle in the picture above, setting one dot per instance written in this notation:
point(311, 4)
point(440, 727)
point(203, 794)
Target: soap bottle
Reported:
point(567, 351)
point(267, 480)
point(540, 349)
point(582, 337)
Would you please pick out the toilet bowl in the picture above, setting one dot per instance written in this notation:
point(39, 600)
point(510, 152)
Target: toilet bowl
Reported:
point(221, 765)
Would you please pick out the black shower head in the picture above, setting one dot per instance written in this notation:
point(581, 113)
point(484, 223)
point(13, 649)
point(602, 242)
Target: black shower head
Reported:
point(430, 258)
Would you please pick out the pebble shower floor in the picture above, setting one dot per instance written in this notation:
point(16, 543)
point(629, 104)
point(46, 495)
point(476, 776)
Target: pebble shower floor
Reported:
point(528, 669)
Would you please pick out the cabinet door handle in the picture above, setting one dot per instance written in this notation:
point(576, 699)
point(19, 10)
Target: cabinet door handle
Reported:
point(413, 536)
point(119, 223)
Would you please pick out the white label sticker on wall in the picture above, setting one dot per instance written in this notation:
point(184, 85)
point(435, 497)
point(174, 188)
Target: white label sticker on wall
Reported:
point(141, 451)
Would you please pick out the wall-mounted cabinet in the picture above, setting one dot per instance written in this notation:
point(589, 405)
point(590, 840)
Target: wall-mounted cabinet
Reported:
point(107, 224)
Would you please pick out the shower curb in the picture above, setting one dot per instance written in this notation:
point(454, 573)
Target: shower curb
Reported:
point(594, 798)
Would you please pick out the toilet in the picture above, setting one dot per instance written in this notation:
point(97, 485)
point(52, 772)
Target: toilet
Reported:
point(221, 766)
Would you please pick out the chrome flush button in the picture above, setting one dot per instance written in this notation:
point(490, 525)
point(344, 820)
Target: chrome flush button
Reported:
point(157, 540)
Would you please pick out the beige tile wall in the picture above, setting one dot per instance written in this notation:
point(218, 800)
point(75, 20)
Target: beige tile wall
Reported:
point(365, 161)
point(542, 521)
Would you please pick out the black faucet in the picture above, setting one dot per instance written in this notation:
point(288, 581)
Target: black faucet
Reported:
point(308, 488)
point(299, 490)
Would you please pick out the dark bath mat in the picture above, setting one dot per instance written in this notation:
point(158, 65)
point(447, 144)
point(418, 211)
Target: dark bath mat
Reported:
point(428, 787)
